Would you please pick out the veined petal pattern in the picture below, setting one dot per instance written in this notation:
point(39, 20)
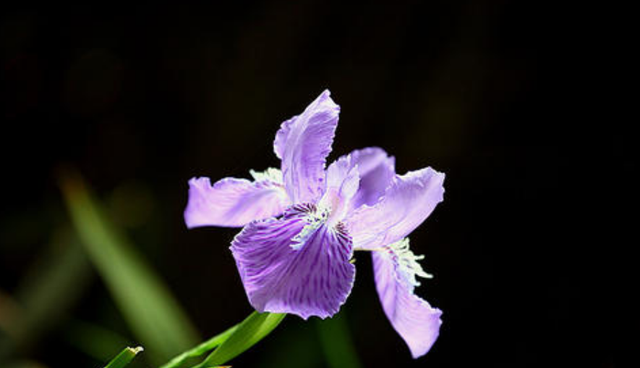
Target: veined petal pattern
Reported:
point(313, 279)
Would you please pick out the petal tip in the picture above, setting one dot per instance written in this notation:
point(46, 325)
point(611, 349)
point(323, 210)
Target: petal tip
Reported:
point(325, 99)
point(190, 212)
point(199, 180)
point(419, 350)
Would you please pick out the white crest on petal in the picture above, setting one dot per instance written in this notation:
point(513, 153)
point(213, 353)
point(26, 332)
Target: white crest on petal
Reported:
point(315, 217)
point(271, 174)
point(407, 261)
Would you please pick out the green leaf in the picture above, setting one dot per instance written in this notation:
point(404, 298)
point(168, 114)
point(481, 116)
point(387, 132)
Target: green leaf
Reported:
point(53, 285)
point(152, 313)
point(124, 358)
point(248, 333)
point(201, 349)
point(92, 339)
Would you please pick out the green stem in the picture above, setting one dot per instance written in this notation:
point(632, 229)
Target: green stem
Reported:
point(232, 342)
point(253, 329)
point(124, 358)
point(200, 349)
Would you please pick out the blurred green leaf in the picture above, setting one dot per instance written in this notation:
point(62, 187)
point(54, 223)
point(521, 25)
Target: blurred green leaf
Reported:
point(154, 316)
point(249, 332)
point(301, 349)
point(124, 358)
point(336, 343)
point(24, 363)
point(53, 284)
point(94, 340)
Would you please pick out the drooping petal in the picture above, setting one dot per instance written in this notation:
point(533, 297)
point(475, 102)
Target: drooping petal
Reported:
point(407, 202)
point(303, 143)
point(233, 202)
point(376, 170)
point(313, 279)
point(412, 317)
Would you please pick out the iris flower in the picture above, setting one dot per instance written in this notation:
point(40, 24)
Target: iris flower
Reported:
point(302, 223)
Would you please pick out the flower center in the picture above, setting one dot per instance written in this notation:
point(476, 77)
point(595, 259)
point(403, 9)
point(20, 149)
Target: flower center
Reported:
point(335, 205)
point(315, 216)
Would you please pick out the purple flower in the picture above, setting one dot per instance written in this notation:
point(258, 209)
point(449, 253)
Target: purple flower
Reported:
point(303, 222)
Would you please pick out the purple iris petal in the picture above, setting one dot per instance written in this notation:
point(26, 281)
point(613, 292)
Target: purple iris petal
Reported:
point(303, 143)
point(412, 317)
point(343, 181)
point(313, 279)
point(406, 204)
point(376, 170)
point(232, 202)
point(343, 176)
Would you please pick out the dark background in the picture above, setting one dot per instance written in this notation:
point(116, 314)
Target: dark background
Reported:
point(511, 99)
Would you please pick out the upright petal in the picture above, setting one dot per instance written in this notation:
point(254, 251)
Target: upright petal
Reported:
point(407, 202)
point(376, 170)
point(343, 180)
point(343, 176)
point(412, 317)
point(303, 143)
point(310, 280)
point(280, 142)
point(233, 202)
